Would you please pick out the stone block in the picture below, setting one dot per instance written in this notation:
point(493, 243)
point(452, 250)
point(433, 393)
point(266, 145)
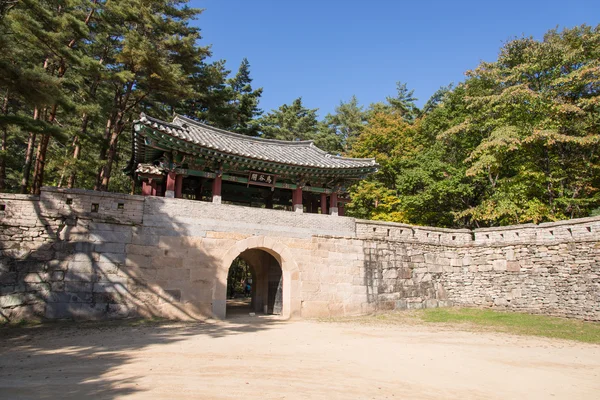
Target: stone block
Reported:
point(76, 310)
point(419, 258)
point(82, 286)
point(513, 266)
point(401, 304)
point(435, 268)
point(77, 268)
point(7, 278)
point(315, 309)
point(12, 300)
point(173, 274)
point(499, 265)
point(109, 247)
point(110, 237)
point(37, 277)
point(431, 303)
point(405, 273)
point(134, 260)
point(414, 305)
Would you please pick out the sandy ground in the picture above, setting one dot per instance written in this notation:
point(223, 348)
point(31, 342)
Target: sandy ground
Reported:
point(266, 358)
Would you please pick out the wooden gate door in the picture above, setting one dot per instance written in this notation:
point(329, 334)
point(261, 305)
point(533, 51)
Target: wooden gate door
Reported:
point(275, 298)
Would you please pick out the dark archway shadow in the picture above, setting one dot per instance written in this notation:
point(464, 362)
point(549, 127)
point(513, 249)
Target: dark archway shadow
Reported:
point(266, 287)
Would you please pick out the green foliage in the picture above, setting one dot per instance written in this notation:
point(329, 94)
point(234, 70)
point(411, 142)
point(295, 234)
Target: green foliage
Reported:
point(347, 124)
point(296, 122)
point(86, 69)
point(516, 142)
point(232, 104)
point(290, 122)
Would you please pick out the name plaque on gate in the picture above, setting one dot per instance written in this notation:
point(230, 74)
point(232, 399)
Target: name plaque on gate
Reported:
point(261, 179)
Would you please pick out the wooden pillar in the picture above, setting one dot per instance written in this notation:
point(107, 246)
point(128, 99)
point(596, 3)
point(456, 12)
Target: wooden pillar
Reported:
point(170, 192)
point(178, 186)
point(216, 189)
point(333, 207)
point(146, 188)
point(324, 204)
point(297, 200)
point(342, 209)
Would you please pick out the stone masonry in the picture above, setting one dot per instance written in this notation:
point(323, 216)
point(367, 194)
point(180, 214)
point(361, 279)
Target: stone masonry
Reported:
point(84, 254)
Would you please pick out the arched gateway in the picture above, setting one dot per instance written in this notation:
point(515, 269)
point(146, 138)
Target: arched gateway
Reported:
point(252, 248)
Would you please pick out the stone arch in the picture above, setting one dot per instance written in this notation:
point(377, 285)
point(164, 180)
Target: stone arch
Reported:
point(289, 269)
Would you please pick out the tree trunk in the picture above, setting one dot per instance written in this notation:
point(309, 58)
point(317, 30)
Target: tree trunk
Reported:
point(117, 126)
point(40, 162)
point(4, 145)
point(108, 130)
point(29, 155)
point(85, 119)
point(76, 152)
point(106, 170)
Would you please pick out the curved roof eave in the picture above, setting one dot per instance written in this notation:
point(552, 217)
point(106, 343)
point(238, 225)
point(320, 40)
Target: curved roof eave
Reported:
point(300, 153)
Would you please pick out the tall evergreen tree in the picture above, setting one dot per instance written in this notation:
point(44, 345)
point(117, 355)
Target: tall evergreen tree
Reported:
point(226, 103)
point(404, 102)
point(156, 43)
point(290, 122)
point(347, 123)
point(245, 101)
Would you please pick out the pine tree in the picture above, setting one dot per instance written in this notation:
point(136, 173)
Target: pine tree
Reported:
point(347, 123)
point(156, 46)
point(290, 122)
point(404, 102)
point(245, 101)
point(229, 104)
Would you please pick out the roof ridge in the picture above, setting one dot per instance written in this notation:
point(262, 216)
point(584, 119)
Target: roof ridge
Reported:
point(242, 136)
point(353, 158)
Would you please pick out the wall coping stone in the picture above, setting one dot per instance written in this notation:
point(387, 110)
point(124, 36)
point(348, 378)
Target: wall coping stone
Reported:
point(94, 193)
point(22, 197)
point(401, 225)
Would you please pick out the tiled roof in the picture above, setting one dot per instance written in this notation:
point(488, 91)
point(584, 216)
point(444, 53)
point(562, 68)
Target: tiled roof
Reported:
point(301, 153)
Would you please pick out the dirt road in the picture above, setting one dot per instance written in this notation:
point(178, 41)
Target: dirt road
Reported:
point(261, 358)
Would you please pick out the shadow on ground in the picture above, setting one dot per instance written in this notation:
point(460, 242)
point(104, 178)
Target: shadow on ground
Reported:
point(73, 359)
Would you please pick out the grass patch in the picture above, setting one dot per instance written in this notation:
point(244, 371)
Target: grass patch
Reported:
point(517, 323)
point(473, 319)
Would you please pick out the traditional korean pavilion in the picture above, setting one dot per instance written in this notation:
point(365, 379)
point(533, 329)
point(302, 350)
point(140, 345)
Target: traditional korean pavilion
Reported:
point(187, 159)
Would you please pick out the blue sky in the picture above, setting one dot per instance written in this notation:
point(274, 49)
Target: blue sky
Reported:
point(328, 50)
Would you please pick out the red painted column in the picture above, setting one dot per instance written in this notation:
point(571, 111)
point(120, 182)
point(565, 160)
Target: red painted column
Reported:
point(146, 188)
point(216, 189)
point(341, 209)
point(333, 207)
point(323, 203)
point(297, 200)
point(178, 186)
point(170, 192)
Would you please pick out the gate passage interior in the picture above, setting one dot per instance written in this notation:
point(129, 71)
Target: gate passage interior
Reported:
point(255, 284)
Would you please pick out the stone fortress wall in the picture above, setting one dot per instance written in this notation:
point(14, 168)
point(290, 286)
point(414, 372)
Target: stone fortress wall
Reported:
point(84, 254)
